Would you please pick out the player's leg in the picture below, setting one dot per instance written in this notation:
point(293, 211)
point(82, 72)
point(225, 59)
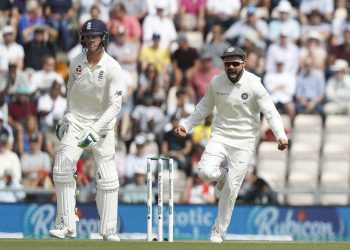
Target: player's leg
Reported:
point(107, 187)
point(209, 165)
point(238, 161)
point(63, 175)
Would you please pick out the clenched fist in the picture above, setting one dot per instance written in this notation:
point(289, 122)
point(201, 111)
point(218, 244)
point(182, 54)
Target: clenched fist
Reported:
point(282, 144)
point(180, 131)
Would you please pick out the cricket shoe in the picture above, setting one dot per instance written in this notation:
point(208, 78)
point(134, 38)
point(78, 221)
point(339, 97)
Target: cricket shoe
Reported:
point(61, 231)
point(220, 184)
point(215, 237)
point(111, 236)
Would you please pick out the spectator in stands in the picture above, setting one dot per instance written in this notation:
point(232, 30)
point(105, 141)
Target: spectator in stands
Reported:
point(151, 83)
point(134, 8)
point(315, 23)
point(284, 47)
point(30, 132)
point(224, 12)
point(6, 127)
point(281, 87)
point(7, 82)
point(310, 91)
point(119, 18)
point(5, 12)
point(149, 117)
point(202, 75)
point(197, 191)
point(324, 7)
point(216, 45)
point(36, 49)
point(340, 24)
point(155, 54)
point(342, 50)
point(9, 159)
point(10, 51)
point(255, 62)
point(20, 107)
point(29, 20)
point(51, 141)
point(127, 87)
point(7, 181)
point(177, 148)
point(43, 79)
point(136, 191)
point(136, 160)
point(86, 174)
point(338, 89)
point(314, 48)
point(36, 166)
point(125, 52)
point(183, 106)
point(185, 58)
point(160, 24)
point(284, 22)
point(201, 133)
point(59, 15)
point(192, 15)
point(89, 10)
point(170, 7)
point(51, 106)
point(238, 31)
point(256, 190)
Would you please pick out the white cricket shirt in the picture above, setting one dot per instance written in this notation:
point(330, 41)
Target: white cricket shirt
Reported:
point(238, 107)
point(94, 94)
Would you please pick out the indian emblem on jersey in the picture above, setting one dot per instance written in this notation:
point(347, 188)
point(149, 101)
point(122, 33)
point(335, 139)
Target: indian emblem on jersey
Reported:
point(244, 96)
point(100, 75)
point(78, 69)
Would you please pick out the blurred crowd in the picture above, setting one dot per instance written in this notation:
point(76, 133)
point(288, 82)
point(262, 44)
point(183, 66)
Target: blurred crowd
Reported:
point(169, 50)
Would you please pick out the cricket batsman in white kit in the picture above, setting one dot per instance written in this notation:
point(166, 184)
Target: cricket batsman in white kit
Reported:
point(239, 97)
point(94, 100)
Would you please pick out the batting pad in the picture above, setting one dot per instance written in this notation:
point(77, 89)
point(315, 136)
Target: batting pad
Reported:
point(63, 176)
point(107, 197)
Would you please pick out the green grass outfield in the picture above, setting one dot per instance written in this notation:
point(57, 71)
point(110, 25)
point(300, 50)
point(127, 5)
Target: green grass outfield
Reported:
point(26, 244)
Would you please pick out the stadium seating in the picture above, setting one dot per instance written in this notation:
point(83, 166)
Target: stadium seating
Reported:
point(272, 164)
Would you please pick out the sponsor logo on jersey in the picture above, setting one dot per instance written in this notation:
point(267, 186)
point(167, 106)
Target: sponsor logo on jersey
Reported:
point(100, 75)
point(222, 93)
point(78, 69)
point(119, 93)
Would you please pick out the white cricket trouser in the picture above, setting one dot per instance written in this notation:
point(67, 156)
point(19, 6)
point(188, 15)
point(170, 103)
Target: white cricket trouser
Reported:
point(209, 170)
point(68, 153)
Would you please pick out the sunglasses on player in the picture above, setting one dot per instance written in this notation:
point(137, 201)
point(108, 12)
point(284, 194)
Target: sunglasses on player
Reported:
point(233, 63)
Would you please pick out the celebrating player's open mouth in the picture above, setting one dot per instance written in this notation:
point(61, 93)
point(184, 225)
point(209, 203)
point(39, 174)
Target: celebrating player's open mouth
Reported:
point(232, 73)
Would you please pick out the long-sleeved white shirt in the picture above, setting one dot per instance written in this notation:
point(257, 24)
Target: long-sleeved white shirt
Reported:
point(94, 95)
point(238, 107)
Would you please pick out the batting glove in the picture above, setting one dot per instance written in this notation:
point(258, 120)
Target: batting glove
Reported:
point(87, 138)
point(61, 129)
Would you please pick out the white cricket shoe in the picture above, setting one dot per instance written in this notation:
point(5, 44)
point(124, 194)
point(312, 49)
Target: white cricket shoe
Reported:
point(61, 231)
point(220, 185)
point(215, 237)
point(111, 237)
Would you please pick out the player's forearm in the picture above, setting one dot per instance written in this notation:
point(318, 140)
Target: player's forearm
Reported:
point(107, 116)
point(272, 116)
point(203, 109)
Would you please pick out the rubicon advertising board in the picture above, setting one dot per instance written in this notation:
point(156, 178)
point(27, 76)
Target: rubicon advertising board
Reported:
point(319, 223)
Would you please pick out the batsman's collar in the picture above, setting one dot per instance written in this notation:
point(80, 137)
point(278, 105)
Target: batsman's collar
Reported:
point(233, 51)
point(100, 63)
